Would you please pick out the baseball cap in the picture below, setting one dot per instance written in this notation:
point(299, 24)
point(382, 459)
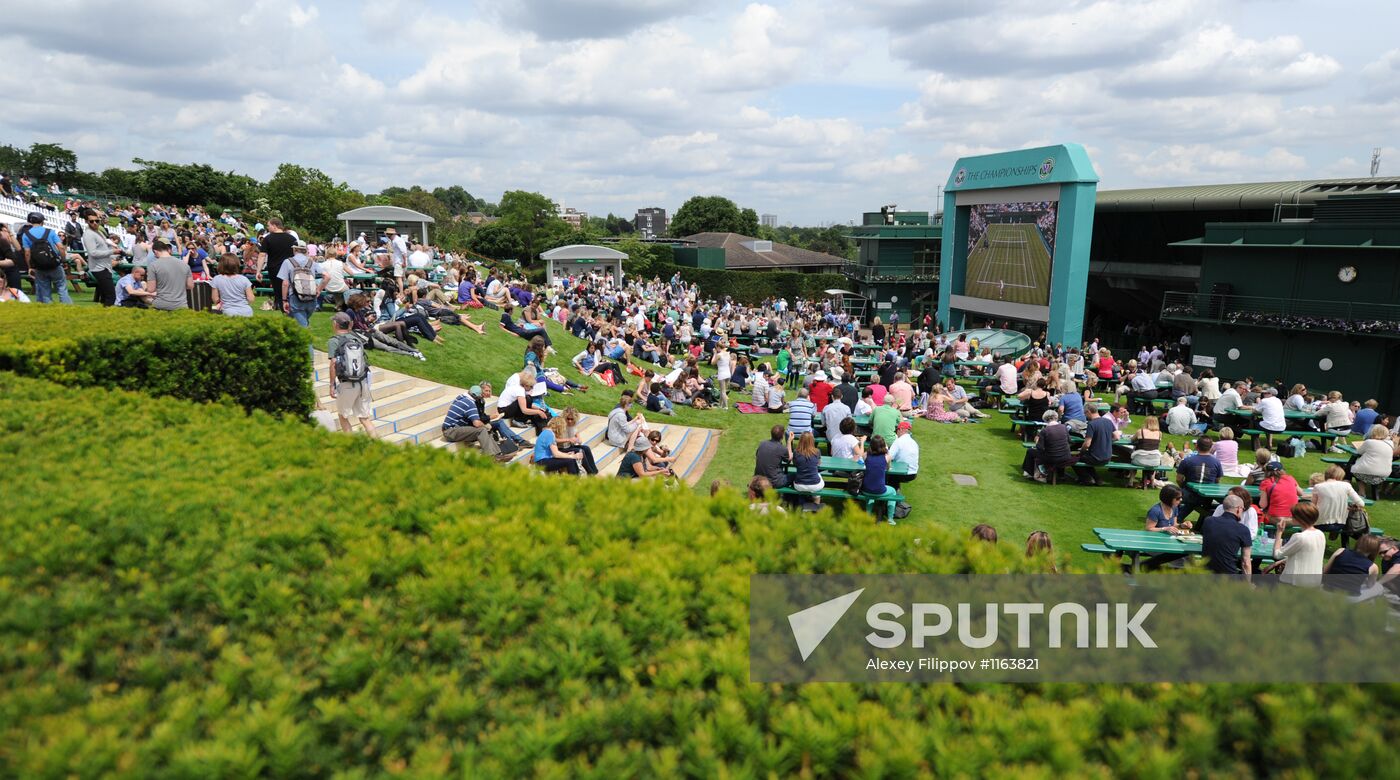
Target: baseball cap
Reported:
point(904, 425)
point(35, 218)
point(342, 319)
point(474, 390)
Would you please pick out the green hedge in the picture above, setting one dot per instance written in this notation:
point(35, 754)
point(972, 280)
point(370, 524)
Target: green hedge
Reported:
point(244, 596)
point(257, 363)
point(751, 287)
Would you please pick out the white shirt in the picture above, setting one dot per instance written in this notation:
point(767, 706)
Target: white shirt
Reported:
point(398, 247)
point(906, 451)
point(833, 414)
point(334, 272)
point(722, 366)
point(1332, 498)
point(1303, 551)
point(863, 408)
point(1270, 411)
point(510, 394)
point(1249, 518)
point(1006, 378)
point(419, 259)
point(843, 446)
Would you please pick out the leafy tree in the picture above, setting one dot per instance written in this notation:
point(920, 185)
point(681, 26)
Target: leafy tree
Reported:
point(644, 259)
point(308, 198)
point(496, 240)
point(617, 226)
point(713, 214)
point(188, 184)
point(390, 192)
point(11, 159)
point(118, 181)
point(422, 201)
point(534, 219)
point(51, 162)
point(456, 199)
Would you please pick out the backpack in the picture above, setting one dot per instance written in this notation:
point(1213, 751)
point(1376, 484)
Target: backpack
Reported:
point(42, 254)
point(304, 280)
point(351, 365)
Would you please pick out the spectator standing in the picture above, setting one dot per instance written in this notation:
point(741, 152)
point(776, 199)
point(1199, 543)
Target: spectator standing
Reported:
point(99, 249)
point(12, 263)
point(170, 280)
point(302, 285)
point(232, 292)
point(349, 369)
point(278, 245)
point(43, 254)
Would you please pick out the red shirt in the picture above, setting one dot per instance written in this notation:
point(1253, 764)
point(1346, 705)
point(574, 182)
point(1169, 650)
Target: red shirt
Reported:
point(820, 394)
point(1282, 493)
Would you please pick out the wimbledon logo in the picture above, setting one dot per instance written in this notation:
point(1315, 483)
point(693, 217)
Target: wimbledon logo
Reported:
point(1046, 168)
point(960, 178)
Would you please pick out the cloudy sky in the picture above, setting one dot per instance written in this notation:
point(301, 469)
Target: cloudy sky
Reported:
point(814, 110)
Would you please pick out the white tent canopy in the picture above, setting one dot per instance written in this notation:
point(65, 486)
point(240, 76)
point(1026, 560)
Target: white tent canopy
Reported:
point(582, 259)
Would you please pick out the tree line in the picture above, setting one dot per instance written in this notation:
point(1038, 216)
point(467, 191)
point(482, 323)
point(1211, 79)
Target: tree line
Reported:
point(519, 227)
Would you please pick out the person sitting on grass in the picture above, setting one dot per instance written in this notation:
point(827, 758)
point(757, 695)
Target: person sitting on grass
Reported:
point(777, 401)
point(526, 332)
point(634, 463)
point(590, 362)
point(984, 533)
point(1038, 544)
point(534, 361)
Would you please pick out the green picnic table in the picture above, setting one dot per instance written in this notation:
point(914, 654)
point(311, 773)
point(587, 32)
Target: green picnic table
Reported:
point(866, 347)
point(846, 466)
point(1217, 491)
point(1136, 543)
point(972, 364)
point(1290, 414)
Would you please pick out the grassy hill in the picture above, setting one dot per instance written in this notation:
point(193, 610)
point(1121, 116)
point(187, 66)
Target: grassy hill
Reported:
point(986, 451)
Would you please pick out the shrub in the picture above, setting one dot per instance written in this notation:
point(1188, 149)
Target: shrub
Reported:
point(751, 287)
point(308, 604)
point(257, 363)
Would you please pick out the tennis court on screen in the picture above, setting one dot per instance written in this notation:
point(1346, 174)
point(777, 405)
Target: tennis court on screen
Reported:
point(1010, 262)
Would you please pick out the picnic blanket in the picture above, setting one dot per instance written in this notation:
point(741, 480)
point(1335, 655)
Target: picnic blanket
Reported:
point(745, 407)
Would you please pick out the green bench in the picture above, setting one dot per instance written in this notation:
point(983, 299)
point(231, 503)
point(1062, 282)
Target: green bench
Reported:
point(1320, 435)
point(888, 499)
point(1098, 549)
point(1338, 461)
point(1132, 468)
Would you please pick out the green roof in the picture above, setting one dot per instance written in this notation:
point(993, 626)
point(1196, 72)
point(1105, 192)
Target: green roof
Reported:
point(1220, 197)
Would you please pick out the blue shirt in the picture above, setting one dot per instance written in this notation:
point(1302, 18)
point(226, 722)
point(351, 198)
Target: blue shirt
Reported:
point(1200, 468)
point(1365, 418)
point(1074, 406)
point(1101, 434)
point(808, 469)
point(125, 283)
point(800, 413)
point(874, 479)
point(50, 235)
point(1222, 539)
point(1161, 518)
point(462, 412)
point(543, 445)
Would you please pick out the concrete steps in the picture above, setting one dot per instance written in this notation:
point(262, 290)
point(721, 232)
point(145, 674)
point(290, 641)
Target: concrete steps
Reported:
point(410, 410)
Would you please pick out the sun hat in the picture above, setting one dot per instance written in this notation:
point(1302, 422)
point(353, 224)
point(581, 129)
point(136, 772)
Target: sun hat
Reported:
point(820, 376)
point(837, 372)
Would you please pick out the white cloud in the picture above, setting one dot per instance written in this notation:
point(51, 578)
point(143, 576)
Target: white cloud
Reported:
point(1215, 59)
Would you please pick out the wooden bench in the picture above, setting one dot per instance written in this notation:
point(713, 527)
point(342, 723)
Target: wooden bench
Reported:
point(889, 499)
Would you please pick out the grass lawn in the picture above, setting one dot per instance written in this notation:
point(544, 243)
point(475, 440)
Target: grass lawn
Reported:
point(987, 451)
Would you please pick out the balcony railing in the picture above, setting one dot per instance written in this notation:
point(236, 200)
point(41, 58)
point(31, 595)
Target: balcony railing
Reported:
point(919, 272)
point(1370, 319)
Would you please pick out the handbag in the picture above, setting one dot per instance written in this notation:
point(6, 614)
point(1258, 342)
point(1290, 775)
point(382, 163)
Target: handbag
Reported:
point(1358, 522)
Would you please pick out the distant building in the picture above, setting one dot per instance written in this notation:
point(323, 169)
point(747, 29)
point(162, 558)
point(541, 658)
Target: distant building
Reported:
point(476, 218)
point(574, 217)
point(651, 222)
point(745, 253)
point(896, 265)
point(768, 220)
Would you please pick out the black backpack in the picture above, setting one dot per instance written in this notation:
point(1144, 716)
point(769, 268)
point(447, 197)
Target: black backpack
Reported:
point(42, 254)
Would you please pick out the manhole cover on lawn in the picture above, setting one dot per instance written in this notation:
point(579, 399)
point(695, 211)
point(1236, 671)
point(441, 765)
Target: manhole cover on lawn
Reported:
point(965, 480)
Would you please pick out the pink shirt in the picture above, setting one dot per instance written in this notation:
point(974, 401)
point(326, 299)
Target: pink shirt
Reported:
point(903, 394)
point(877, 395)
point(1227, 451)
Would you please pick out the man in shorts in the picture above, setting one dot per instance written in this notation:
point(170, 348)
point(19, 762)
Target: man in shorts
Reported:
point(352, 399)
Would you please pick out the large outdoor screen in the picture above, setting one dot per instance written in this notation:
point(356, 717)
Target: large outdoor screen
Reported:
point(1009, 251)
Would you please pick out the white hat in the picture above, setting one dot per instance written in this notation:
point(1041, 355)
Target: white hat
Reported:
point(837, 372)
point(820, 376)
point(538, 389)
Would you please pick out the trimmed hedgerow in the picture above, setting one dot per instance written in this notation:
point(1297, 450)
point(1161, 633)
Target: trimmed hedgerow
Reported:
point(213, 595)
point(257, 362)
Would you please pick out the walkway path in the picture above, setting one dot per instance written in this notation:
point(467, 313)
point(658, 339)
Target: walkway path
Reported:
point(410, 410)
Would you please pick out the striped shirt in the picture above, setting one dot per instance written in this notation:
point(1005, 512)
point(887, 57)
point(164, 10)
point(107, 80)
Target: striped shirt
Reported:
point(800, 414)
point(463, 412)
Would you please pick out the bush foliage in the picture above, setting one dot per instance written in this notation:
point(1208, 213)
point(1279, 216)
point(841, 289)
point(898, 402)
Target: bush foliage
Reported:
point(309, 605)
point(257, 363)
point(752, 287)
